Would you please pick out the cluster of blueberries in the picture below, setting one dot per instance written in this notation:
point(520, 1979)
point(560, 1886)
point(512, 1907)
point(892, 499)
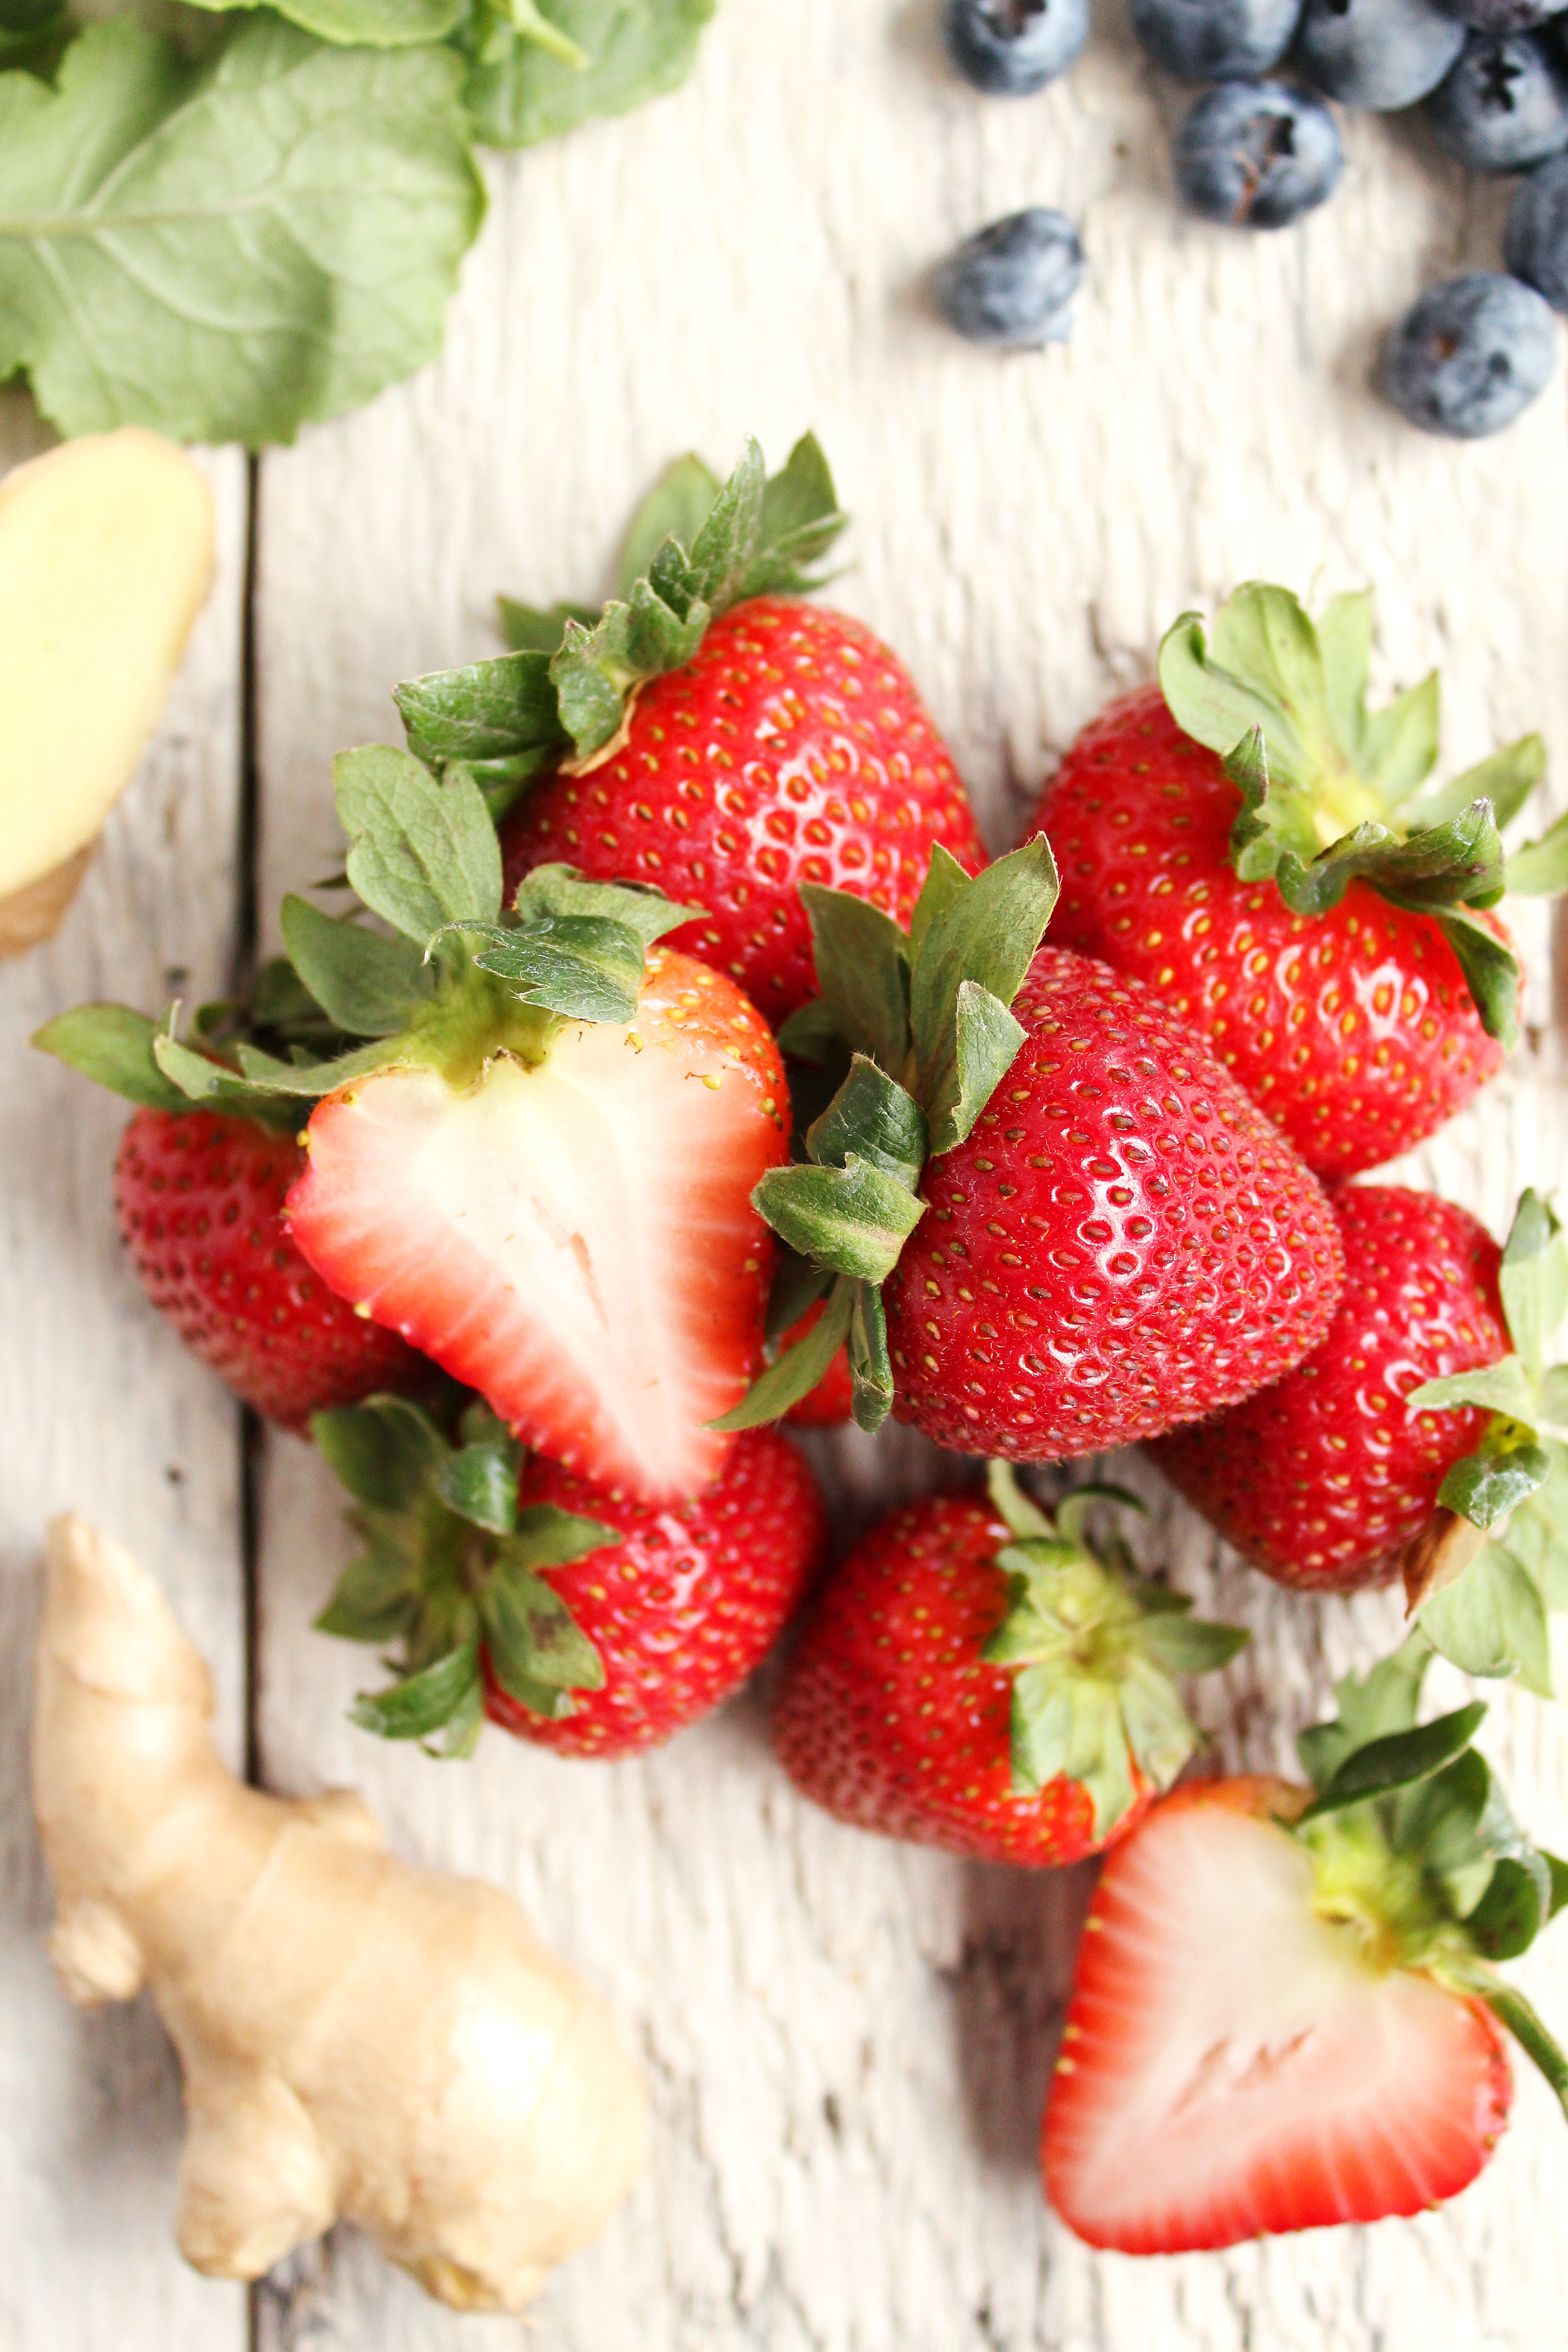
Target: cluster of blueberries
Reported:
point(1471, 352)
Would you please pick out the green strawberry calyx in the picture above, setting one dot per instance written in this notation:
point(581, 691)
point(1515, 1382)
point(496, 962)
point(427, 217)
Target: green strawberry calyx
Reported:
point(453, 1568)
point(910, 1036)
point(1332, 793)
point(1491, 1565)
point(1093, 1647)
point(563, 695)
point(1414, 1847)
point(453, 980)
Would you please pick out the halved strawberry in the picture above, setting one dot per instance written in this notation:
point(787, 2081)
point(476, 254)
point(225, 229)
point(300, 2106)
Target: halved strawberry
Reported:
point(571, 1234)
point(1284, 2011)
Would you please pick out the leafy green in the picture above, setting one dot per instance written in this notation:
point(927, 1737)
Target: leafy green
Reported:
point(228, 250)
point(114, 1047)
point(421, 854)
point(371, 986)
point(1326, 784)
point(519, 92)
point(369, 23)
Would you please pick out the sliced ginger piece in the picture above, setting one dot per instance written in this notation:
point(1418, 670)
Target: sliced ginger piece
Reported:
point(106, 552)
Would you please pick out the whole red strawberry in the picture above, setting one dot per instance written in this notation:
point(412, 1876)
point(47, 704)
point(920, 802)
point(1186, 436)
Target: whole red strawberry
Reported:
point(574, 1615)
point(791, 747)
point(1323, 1479)
point(1285, 2013)
point(1067, 1228)
point(974, 1677)
point(709, 734)
point(1327, 933)
point(200, 1200)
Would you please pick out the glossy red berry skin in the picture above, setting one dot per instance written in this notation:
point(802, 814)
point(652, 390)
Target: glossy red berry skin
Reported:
point(829, 1405)
point(685, 1606)
point(200, 1203)
point(1322, 1479)
point(1124, 1242)
point(1354, 1030)
point(890, 1718)
point(793, 748)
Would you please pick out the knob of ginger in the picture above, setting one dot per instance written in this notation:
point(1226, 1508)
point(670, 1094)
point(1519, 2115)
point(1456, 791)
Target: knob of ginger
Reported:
point(358, 2037)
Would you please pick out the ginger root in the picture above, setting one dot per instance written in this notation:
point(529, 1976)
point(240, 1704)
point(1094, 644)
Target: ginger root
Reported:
point(358, 2037)
point(106, 550)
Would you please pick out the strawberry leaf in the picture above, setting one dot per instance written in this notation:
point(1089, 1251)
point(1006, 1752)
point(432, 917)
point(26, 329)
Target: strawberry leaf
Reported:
point(986, 1039)
point(226, 251)
point(1371, 1708)
point(114, 1047)
point(754, 537)
point(553, 891)
point(1533, 1281)
point(1397, 1761)
point(1506, 778)
point(1504, 1387)
point(383, 1451)
point(1491, 974)
point(532, 1638)
point(1539, 869)
point(480, 1485)
point(1189, 1646)
point(1459, 860)
point(1491, 1620)
point(373, 24)
point(677, 507)
point(871, 1365)
point(854, 1218)
point(578, 965)
point(440, 1695)
point(1488, 1484)
point(988, 931)
point(368, 985)
point(372, 1601)
point(872, 1119)
point(863, 971)
point(797, 1369)
point(421, 854)
point(797, 1286)
point(530, 629)
point(544, 1537)
point(499, 712)
point(1511, 2010)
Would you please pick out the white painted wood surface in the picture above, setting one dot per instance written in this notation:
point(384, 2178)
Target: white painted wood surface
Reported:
point(847, 2043)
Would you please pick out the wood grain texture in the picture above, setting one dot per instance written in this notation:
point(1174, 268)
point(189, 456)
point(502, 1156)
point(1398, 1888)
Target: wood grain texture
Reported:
point(848, 2044)
point(103, 1411)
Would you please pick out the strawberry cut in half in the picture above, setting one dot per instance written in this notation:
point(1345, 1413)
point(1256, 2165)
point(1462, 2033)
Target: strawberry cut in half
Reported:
point(976, 1678)
point(1042, 1217)
point(1420, 1439)
point(577, 1617)
point(1255, 844)
point(537, 1167)
point(707, 732)
point(199, 1196)
point(1287, 2009)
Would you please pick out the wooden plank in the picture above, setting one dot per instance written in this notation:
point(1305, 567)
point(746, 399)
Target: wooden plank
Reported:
point(847, 2043)
point(104, 1412)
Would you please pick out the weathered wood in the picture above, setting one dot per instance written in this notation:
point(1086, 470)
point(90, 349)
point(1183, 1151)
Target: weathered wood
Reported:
point(848, 2044)
point(104, 1410)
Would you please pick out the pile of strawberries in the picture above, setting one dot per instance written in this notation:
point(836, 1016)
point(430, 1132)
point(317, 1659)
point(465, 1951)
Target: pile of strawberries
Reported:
point(699, 1071)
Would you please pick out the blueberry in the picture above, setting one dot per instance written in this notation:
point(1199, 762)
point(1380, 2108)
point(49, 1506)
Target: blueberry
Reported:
point(1469, 356)
point(1505, 105)
point(1012, 282)
point(1535, 242)
point(1012, 47)
point(1215, 40)
point(1501, 16)
point(1380, 54)
point(1256, 154)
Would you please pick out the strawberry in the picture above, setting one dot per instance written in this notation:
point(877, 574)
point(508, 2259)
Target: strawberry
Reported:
point(576, 1616)
point(199, 1195)
point(1343, 2061)
point(974, 1677)
point(1414, 1439)
point(200, 1200)
point(1086, 1231)
point(829, 1405)
point(1241, 837)
point(708, 733)
point(1322, 1479)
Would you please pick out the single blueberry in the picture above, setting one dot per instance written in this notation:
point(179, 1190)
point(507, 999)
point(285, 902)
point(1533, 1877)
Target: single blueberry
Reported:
point(1012, 282)
point(1379, 54)
point(1501, 16)
point(1504, 105)
point(1215, 40)
point(1256, 154)
point(1535, 242)
point(1012, 47)
point(1470, 355)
